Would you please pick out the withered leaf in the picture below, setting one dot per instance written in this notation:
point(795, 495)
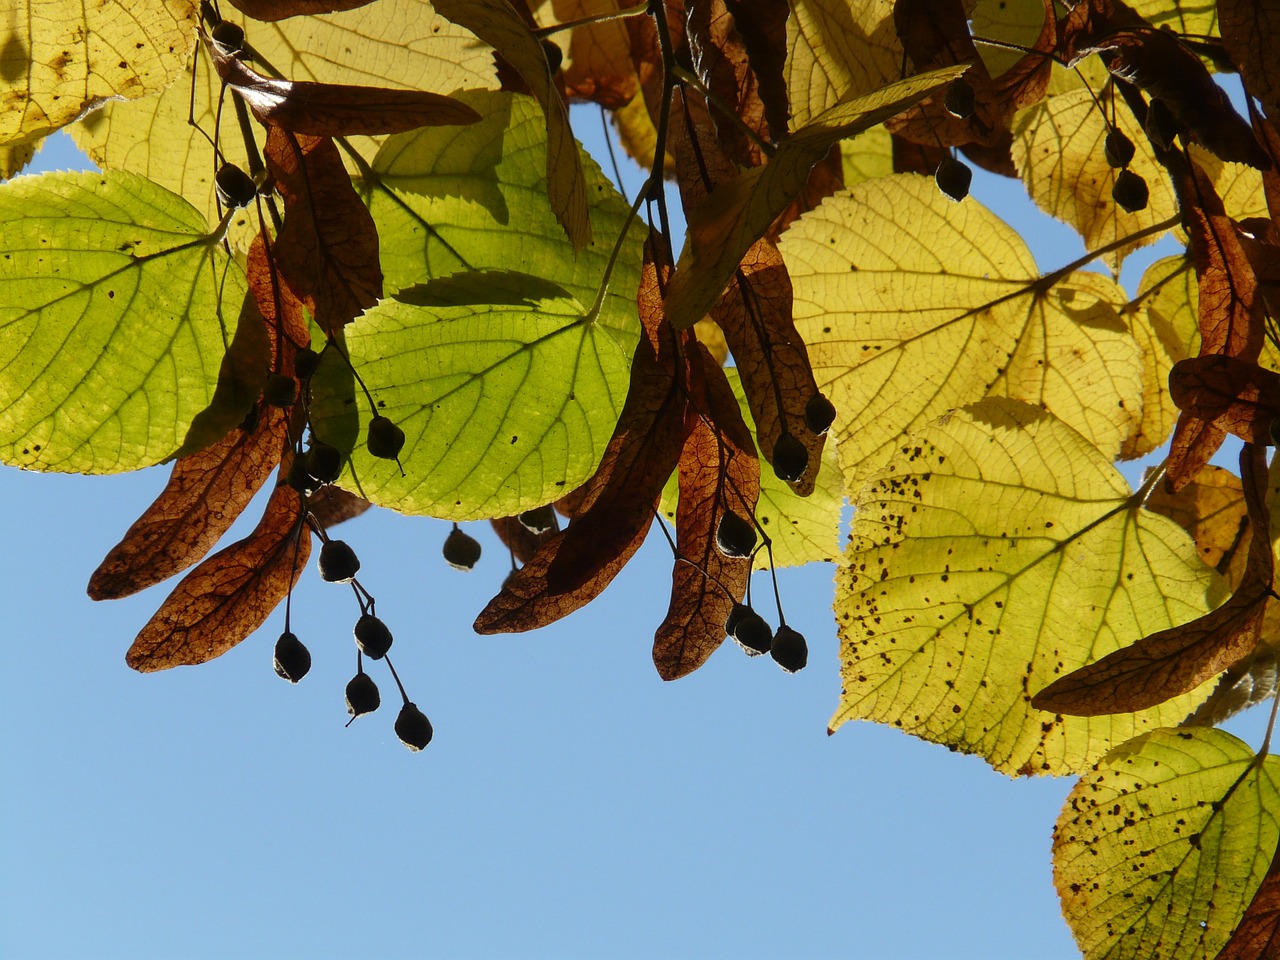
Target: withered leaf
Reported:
point(762, 24)
point(327, 251)
point(519, 539)
point(334, 109)
point(1212, 509)
point(640, 456)
point(598, 63)
point(720, 59)
point(719, 472)
point(1257, 935)
point(205, 494)
point(1251, 34)
point(1174, 661)
point(229, 595)
point(332, 505)
point(1239, 396)
point(270, 10)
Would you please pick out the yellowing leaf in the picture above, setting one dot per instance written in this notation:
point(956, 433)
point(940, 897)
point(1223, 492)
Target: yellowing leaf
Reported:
point(1164, 322)
point(837, 51)
point(1211, 508)
point(912, 306)
point(111, 321)
point(867, 156)
point(1159, 849)
point(497, 23)
point(736, 214)
point(1016, 22)
point(69, 57)
point(392, 43)
point(998, 550)
point(1058, 150)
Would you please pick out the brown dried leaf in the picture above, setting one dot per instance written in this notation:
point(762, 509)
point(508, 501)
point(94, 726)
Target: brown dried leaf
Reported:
point(327, 251)
point(206, 492)
point(1239, 396)
point(640, 456)
point(597, 62)
point(270, 10)
point(720, 60)
point(332, 505)
point(1212, 509)
point(1172, 662)
point(230, 595)
point(498, 24)
point(1251, 34)
point(519, 539)
point(1257, 935)
point(718, 473)
point(334, 109)
point(762, 24)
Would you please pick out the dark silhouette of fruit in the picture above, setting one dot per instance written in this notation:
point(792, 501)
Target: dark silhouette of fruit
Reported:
point(753, 634)
point(819, 414)
point(739, 611)
point(790, 458)
point(790, 649)
point(281, 390)
point(735, 537)
point(385, 439)
point(1130, 191)
point(362, 695)
point(229, 36)
point(538, 520)
point(338, 562)
point(292, 659)
point(234, 187)
point(372, 637)
point(953, 178)
point(305, 362)
point(958, 99)
point(1160, 127)
point(555, 56)
point(324, 462)
point(1117, 148)
point(413, 728)
point(461, 550)
point(300, 477)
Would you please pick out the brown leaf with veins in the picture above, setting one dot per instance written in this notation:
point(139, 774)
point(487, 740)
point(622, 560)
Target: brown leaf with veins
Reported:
point(1257, 935)
point(327, 251)
point(1239, 396)
point(1212, 509)
point(640, 456)
point(519, 539)
point(205, 494)
point(720, 61)
point(1172, 662)
point(229, 595)
point(1251, 34)
point(597, 63)
point(762, 24)
point(719, 472)
point(332, 505)
point(310, 108)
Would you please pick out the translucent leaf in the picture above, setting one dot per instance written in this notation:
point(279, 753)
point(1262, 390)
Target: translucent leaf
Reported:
point(837, 51)
point(998, 550)
point(1017, 22)
point(867, 157)
point(912, 305)
point(1058, 150)
point(74, 56)
point(111, 321)
point(1159, 849)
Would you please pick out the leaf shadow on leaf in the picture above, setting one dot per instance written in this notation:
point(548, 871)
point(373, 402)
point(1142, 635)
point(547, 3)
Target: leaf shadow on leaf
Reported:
point(483, 287)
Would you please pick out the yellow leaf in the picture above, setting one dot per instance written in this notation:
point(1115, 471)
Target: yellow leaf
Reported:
point(1164, 322)
point(998, 550)
point(15, 156)
point(497, 24)
point(837, 51)
point(912, 305)
point(1193, 18)
point(1058, 150)
point(1212, 509)
point(1016, 22)
point(867, 156)
point(69, 57)
point(736, 214)
point(393, 43)
point(1159, 849)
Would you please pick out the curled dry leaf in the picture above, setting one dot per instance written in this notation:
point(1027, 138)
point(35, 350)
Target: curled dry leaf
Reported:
point(332, 505)
point(1240, 397)
point(205, 494)
point(229, 595)
point(721, 61)
point(519, 539)
point(1177, 660)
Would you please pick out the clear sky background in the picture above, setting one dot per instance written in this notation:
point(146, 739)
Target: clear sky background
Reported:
point(571, 805)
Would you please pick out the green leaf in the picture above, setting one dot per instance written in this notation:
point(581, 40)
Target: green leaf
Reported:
point(998, 550)
point(1160, 848)
point(111, 324)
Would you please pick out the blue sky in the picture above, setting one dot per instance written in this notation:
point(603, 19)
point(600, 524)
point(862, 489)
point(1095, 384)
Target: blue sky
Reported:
point(571, 805)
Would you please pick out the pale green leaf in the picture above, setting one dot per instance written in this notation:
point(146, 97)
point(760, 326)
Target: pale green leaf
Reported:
point(111, 324)
point(995, 552)
point(1159, 849)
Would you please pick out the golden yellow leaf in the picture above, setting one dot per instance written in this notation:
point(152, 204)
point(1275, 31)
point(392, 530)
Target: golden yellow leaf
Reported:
point(998, 550)
point(1163, 320)
point(15, 156)
point(867, 156)
point(64, 57)
point(837, 51)
point(1057, 148)
point(1212, 509)
point(1016, 22)
point(912, 305)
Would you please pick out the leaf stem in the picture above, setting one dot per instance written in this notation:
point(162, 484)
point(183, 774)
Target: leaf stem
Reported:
point(684, 76)
point(554, 28)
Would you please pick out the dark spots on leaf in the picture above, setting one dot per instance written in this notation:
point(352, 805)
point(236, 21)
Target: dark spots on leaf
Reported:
point(515, 438)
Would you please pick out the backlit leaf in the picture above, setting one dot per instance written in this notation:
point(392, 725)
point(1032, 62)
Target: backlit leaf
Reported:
point(838, 51)
point(997, 550)
point(912, 306)
point(1257, 935)
point(1160, 848)
point(111, 321)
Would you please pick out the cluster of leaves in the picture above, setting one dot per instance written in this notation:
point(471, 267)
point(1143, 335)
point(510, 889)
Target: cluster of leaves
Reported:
point(1003, 592)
